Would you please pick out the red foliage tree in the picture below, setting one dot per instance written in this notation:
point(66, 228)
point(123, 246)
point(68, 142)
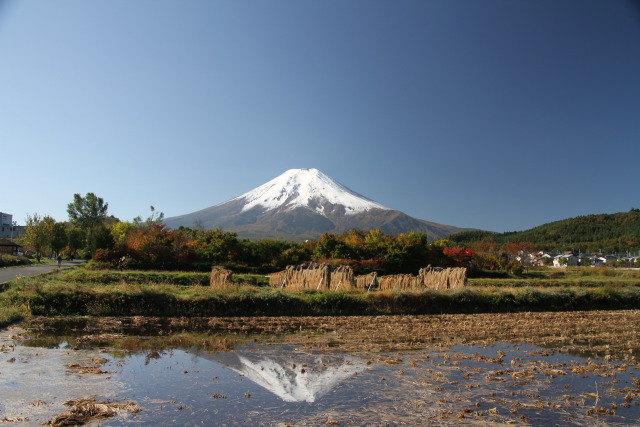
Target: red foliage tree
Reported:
point(461, 255)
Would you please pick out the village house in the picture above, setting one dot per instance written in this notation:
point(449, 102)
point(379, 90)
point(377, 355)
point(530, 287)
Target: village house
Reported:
point(9, 247)
point(538, 259)
point(565, 260)
point(607, 259)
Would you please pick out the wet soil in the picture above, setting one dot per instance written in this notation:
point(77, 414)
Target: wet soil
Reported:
point(601, 334)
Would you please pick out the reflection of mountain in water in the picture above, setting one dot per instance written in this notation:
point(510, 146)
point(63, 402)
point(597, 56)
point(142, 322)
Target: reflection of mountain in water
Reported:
point(293, 376)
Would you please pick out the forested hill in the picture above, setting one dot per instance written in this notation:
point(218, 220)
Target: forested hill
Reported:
point(617, 232)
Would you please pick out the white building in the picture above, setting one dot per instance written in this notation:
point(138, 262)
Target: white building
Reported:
point(565, 260)
point(8, 230)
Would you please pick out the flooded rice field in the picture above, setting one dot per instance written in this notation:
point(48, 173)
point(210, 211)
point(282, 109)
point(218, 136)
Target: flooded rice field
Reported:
point(576, 368)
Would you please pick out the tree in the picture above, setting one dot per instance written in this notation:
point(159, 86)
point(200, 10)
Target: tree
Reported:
point(58, 238)
point(88, 213)
point(326, 246)
point(121, 230)
point(74, 241)
point(219, 246)
point(39, 233)
point(461, 255)
point(155, 217)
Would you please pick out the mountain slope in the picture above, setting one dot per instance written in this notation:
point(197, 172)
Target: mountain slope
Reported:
point(602, 232)
point(303, 204)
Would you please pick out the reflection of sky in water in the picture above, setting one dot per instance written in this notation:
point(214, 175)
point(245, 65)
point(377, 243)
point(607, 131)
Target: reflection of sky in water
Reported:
point(37, 383)
point(266, 385)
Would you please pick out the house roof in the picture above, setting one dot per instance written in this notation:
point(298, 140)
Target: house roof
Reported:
point(7, 242)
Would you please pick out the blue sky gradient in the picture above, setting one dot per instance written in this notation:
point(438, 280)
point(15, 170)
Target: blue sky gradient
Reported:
point(496, 114)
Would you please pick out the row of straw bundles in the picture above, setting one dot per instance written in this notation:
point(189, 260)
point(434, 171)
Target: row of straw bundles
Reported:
point(399, 281)
point(447, 278)
point(220, 277)
point(313, 277)
point(307, 276)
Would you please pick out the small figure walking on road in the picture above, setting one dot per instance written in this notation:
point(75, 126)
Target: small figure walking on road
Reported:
point(59, 261)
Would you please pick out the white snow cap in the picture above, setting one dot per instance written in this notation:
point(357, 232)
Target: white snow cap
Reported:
point(307, 188)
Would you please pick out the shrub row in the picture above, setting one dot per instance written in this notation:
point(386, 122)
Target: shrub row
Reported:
point(136, 277)
point(108, 277)
point(7, 260)
point(156, 302)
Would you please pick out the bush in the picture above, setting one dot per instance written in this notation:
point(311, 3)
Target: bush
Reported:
point(7, 260)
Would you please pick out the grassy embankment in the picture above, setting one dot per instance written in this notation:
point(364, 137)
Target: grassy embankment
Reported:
point(83, 292)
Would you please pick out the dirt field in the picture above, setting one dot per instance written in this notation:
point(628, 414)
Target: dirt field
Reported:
point(599, 334)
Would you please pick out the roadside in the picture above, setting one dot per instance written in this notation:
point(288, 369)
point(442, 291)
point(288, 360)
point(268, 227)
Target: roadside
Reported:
point(11, 273)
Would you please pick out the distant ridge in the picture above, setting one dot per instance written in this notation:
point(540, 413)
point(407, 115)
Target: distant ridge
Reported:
point(303, 204)
point(589, 233)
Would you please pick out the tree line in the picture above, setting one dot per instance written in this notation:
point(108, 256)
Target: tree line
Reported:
point(149, 244)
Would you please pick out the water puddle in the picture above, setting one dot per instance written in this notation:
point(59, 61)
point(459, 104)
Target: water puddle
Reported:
point(197, 378)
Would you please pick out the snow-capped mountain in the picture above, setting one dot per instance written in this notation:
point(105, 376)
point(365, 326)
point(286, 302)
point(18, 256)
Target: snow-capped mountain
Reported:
point(306, 188)
point(303, 204)
point(293, 376)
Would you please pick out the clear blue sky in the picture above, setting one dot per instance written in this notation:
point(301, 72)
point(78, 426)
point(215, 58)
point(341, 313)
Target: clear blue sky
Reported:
point(495, 114)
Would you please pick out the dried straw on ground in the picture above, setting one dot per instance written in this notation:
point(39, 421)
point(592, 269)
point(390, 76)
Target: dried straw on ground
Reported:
point(220, 277)
point(82, 411)
point(447, 278)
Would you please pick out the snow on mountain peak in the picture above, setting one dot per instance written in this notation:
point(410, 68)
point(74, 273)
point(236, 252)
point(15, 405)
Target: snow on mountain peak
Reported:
point(306, 188)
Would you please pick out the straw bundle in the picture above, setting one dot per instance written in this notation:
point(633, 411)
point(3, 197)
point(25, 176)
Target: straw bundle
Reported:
point(220, 277)
point(341, 278)
point(313, 277)
point(447, 278)
point(276, 279)
point(398, 281)
point(306, 276)
point(364, 281)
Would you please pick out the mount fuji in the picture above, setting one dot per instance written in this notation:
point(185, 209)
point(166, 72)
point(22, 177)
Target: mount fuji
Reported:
point(303, 204)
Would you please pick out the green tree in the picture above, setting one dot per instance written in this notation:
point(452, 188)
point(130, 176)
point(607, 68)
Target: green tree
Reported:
point(39, 233)
point(58, 238)
point(75, 238)
point(155, 217)
point(121, 230)
point(326, 246)
point(89, 214)
point(219, 246)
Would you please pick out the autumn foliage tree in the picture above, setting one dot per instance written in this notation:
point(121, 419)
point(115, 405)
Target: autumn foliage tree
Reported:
point(460, 255)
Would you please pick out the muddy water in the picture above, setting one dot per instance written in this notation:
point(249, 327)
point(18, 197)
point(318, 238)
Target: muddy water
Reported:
point(302, 379)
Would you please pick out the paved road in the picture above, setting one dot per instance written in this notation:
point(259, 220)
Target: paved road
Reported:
point(7, 274)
